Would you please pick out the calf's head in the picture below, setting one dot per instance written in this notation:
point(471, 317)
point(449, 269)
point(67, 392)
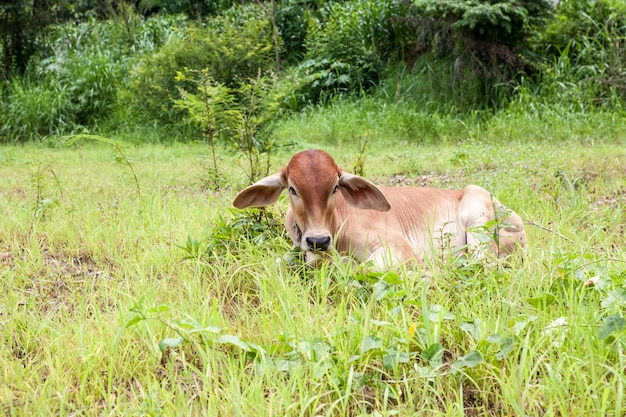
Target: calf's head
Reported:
point(315, 184)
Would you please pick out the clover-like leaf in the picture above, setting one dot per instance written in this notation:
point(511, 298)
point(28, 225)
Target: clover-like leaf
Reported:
point(613, 323)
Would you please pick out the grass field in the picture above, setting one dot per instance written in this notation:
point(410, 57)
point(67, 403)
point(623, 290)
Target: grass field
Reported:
point(152, 297)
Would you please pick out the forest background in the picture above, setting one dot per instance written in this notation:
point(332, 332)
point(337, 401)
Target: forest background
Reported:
point(230, 71)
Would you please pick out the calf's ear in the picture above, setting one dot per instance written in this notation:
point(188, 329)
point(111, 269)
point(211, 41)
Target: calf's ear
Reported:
point(262, 193)
point(361, 193)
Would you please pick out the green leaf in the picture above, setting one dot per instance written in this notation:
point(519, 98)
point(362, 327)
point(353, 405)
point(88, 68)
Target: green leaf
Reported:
point(507, 344)
point(159, 309)
point(615, 297)
point(344, 79)
point(316, 350)
point(470, 360)
point(435, 311)
point(381, 290)
point(186, 324)
point(481, 237)
point(494, 338)
point(472, 328)
point(371, 342)
point(541, 301)
point(394, 357)
point(170, 342)
point(372, 277)
point(256, 351)
point(232, 340)
point(286, 364)
point(392, 278)
point(613, 323)
point(133, 321)
point(354, 358)
point(138, 306)
point(433, 353)
point(207, 329)
point(521, 325)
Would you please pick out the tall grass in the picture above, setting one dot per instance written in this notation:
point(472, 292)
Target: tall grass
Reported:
point(170, 303)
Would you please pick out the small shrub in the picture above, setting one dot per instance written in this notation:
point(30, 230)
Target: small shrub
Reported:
point(157, 31)
point(196, 9)
point(209, 109)
point(88, 61)
point(32, 110)
point(489, 41)
point(74, 80)
point(292, 21)
point(242, 116)
point(231, 51)
point(348, 50)
point(92, 81)
point(586, 47)
point(315, 81)
point(258, 227)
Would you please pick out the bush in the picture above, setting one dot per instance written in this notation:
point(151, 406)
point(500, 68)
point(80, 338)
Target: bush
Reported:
point(90, 81)
point(195, 9)
point(586, 48)
point(73, 81)
point(22, 24)
point(315, 81)
point(431, 84)
point(347, 53)
point(32, 110)
point(292, 21)
point(233, 48)
point(489, 41)
point(73, 85)
point(244, 117)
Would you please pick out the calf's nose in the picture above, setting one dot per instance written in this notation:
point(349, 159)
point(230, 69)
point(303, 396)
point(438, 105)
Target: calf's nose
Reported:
point(318, 243)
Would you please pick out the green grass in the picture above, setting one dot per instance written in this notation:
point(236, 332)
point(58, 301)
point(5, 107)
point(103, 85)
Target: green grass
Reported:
point(94, 275)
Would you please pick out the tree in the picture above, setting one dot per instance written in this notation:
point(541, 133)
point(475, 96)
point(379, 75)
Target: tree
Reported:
point(489, 41)
point(21, 22)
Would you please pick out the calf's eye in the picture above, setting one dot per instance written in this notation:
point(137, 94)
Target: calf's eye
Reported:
point(292, 191)
point(335, 189)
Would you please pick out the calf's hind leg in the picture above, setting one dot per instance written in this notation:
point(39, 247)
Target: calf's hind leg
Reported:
point(477, 212)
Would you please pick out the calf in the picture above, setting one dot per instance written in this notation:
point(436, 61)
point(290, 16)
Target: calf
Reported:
point(330, 208)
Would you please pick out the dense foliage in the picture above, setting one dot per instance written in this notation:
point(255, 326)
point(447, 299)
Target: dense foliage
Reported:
point(113, 65)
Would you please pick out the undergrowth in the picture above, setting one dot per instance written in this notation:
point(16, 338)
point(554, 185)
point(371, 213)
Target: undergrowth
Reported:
point(169, 302)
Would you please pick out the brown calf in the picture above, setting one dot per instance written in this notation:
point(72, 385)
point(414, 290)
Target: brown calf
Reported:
point(329, 207)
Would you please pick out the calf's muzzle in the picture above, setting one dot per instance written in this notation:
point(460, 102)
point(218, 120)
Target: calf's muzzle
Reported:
point(318, 243)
